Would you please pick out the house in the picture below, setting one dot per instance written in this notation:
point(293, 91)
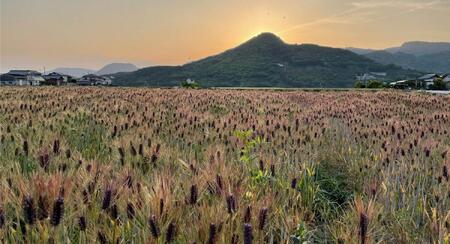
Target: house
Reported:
point(56, 79)
point(401, 84)
point(428, 80)
point(22, 78)
point(94, 80)
point(428, 77)
point(6, 79)
point(446, 79)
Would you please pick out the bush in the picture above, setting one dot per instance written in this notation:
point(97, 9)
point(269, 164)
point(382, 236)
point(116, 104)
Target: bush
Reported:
point(439, 84)
point(192, 85)
point(374, 84)
point(360, 85)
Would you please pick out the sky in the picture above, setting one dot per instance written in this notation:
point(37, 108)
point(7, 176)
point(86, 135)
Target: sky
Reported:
point(91, 33)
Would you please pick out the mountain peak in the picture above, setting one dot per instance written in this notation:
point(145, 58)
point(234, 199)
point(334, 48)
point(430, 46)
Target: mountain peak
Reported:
point(116, 68)
point(266, 38)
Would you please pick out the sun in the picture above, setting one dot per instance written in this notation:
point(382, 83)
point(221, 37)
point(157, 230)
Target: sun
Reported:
point(257, 32)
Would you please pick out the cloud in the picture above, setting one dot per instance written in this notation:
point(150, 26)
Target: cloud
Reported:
point(407, 5)
point(364, 8)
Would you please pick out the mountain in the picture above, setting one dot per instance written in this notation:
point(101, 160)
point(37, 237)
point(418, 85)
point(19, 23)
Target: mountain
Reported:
point(421, 48)
point(360, 51)
point(266, 61)
point(106, 70)
point(436, 62)
point(423, 56)
point(75, 72)
point(116, 68)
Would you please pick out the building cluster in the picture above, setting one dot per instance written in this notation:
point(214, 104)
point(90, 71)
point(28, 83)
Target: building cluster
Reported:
point(427, 82)
point(34, 78)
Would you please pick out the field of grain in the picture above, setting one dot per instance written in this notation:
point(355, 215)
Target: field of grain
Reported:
point(115, 165)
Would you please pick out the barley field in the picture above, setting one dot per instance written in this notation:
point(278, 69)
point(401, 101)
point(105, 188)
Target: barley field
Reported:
point(124, 165)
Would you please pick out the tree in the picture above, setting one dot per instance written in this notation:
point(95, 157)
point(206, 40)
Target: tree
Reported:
point(374, 84)
point(190, 84)
point(439, 84)
point(359, 85)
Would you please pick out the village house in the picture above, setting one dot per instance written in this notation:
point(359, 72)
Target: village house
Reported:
point(22, 78)
point(427, 80)
point(56, 79)
point(94, 80)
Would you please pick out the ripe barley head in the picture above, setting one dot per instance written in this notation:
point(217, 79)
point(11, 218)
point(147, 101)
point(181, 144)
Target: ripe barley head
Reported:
point(28, 210)
point(58, 211)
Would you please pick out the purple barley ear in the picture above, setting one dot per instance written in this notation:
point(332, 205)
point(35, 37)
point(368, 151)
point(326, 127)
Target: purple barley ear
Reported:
point(171, 232)
point(248, 214)
point(68, 153)
point(107, 198)
point(58, 211)
point(102, 238)
point(44, 161)
point(56, 146)
point(132, 150)
point(261, 165)
point(445, 172)
point(130, 211)
point(161, 206)
point(114, 212)
point(25, 147)
point(272, 170)
point(219, 182)
point(128, 181)
point(141, 150)
point(248, 234)
point(154, 157)
point(363, 225)
point(2, 217)
point(194, 195)
point(262, 219)
point(234, 239)
point(28, 210)
point(212, 233)
point(294, 183)
point(154, 227)
point(121, 152)
point(231, 204)
point(82, 223)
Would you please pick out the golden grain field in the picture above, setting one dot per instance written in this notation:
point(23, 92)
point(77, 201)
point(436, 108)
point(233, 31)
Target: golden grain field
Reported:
point(134, 165)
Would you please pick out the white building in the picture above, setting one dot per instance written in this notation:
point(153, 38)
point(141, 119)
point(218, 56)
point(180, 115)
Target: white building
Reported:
point(22, 78)
point(94, 80)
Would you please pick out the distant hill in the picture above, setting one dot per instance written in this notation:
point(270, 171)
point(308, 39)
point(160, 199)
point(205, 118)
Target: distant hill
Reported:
point(436, 62)
point(421, 48)
point(360, 51)
point(116, 68)
point(423, 56)
point(75, 72)
point(266, 61)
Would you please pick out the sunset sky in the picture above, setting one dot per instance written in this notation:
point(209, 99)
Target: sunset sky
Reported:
point(91, 33)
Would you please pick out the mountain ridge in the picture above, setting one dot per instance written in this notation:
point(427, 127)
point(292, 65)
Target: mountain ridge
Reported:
point(266, 60)
point(105, 70)
point(419, 55)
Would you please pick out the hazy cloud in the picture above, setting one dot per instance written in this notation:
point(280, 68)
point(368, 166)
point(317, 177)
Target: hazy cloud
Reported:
point(358, 10)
